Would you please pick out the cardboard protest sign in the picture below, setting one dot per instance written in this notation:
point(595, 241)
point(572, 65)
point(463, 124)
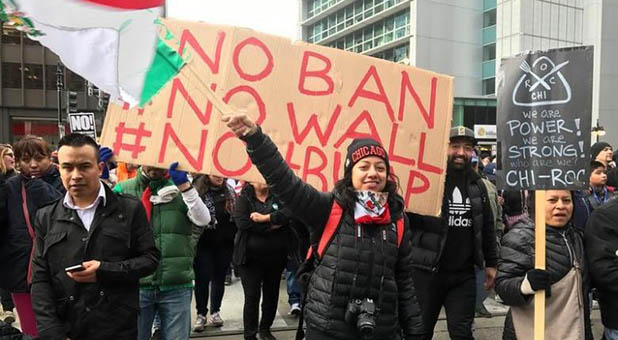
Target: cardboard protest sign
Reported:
point(544, 120)
point(83, 122)
point(311, 100)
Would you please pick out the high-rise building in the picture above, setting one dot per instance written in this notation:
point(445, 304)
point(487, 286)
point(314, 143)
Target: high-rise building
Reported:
point(540, 25)
point(451, 37)
point(28, 97)
point(467, 39)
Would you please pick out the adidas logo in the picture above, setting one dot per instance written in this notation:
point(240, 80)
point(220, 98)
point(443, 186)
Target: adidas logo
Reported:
point(456, 204)
point(457, 208)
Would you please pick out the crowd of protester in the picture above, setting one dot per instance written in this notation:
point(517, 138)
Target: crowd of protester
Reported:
point(91, 248)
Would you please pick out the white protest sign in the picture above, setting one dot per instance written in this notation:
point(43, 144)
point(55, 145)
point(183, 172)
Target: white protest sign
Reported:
point(83, 122)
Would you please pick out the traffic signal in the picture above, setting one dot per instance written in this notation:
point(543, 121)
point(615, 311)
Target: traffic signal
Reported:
point(103, 100)
point(71, 101)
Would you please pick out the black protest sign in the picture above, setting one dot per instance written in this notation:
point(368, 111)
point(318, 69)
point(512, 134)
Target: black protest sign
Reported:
point(544, 120)
point(83, 122)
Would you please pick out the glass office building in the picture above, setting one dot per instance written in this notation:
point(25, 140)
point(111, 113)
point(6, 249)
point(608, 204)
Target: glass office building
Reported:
point(455, 38)
point(467, 39)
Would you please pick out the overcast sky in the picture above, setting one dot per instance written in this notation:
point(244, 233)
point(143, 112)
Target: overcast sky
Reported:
point(277, 17)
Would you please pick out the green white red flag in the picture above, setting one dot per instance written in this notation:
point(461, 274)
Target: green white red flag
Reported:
point(112, 43)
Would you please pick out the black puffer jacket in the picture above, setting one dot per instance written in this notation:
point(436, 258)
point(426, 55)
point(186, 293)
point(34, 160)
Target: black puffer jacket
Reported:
point(602, 250)
point(15, 241)
point(429, 233)
point(382, 270)
point(564, 247)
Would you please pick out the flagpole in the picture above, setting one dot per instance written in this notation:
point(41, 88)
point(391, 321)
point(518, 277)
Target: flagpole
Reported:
point(59, 88)
point(539, 263)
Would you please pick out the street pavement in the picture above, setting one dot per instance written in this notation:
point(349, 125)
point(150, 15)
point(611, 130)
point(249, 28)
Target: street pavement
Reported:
point(284, 327)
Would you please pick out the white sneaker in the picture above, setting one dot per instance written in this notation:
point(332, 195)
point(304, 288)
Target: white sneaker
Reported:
point(295, 309)
point(215, 320)
point(8, 317)
point(200, 323)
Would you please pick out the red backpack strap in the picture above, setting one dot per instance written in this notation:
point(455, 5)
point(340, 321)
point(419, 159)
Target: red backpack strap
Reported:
point(400, 226)
point(331, 226)
point(24, 207)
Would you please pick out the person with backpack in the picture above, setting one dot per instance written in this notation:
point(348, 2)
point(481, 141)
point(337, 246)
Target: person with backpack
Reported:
point(361, 286)
point(38, 184)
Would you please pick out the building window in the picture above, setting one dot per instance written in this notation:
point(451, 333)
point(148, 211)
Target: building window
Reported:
point(489, 52)
point(28, 41)
point(11, 36)
point(395, 54)
point(479, 115)
point(377, 34)
point(401, 53)
point(11, 75)
point(33, 76)
point(48, 129)
point(74, 81)
point(489, 18)
point(315, 7)
point(50, 77)
point(489, 86)
point(348, 16)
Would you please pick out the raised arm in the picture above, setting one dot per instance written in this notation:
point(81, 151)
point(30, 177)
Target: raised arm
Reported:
point(306, 203)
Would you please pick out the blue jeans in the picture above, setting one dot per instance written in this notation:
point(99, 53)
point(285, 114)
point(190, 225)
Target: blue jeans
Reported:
point(294, 290)
point(611, 334)
point(174, 310)
point(481, 293)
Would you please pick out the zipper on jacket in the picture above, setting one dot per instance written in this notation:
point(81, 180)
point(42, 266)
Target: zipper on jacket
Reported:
point(566, 241)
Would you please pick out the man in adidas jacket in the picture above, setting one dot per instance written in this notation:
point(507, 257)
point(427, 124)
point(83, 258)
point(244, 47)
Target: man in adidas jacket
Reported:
point(446, 249)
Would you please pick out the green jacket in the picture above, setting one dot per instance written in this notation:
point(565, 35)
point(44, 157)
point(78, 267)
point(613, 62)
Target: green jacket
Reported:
point(496, 207)
point(175, 235)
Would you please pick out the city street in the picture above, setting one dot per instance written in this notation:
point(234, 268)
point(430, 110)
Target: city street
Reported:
point(285, 325)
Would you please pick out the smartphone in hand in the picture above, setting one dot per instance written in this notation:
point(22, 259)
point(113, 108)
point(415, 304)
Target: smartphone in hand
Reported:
point(74, 269)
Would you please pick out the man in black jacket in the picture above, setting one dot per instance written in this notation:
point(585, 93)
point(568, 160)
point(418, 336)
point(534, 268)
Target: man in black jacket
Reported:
point(602, 250)
point(446, 249)
point(107, 238)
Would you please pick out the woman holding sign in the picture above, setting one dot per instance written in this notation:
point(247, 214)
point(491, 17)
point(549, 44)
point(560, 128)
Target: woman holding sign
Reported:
point(361, 285)
point(565, 280)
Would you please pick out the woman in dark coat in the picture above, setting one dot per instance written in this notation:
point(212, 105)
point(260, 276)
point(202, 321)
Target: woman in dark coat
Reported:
point(362, 285)
point(260, 254)
point(214, 249)
point(7, 170)
point(565, 278)
point(38, 184)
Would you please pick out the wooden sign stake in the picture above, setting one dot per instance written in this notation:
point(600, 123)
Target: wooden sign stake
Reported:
point(539, 263)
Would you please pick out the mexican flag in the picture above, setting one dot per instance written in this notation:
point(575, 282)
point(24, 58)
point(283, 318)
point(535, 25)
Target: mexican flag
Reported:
point(112, 43)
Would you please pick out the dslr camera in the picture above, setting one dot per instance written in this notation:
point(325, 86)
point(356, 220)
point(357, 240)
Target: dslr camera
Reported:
point(362, 312)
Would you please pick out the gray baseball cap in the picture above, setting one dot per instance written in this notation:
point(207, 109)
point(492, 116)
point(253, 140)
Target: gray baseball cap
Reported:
point(462, 131)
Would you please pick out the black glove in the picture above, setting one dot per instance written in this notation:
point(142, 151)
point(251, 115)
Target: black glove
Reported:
point(539, 280)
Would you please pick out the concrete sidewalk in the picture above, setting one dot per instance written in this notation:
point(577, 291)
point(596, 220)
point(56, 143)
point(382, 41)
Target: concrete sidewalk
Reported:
point(284, 327)
point(485, 329)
